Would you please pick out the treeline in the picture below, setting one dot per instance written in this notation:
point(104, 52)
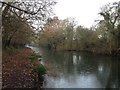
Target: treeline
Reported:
point(103, 38)
point(19, 19)
point(15, 32)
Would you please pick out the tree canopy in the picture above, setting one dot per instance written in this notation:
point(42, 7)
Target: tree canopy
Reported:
point(105, 38)
point(20, 19)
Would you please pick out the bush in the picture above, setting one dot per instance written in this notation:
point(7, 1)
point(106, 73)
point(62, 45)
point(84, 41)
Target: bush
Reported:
point(39, 69)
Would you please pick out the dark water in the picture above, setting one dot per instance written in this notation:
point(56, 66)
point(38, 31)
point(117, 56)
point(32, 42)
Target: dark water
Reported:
point(80, 70)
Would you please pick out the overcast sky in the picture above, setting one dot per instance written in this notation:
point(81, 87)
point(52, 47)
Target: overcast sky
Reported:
point(85, 12)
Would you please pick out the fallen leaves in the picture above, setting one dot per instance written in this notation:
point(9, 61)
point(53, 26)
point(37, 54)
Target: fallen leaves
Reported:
point(17, 71)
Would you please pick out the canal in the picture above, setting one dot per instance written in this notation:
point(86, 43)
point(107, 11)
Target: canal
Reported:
point(70, 69)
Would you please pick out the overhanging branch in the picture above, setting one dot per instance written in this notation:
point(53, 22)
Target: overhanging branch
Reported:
point(32, 13)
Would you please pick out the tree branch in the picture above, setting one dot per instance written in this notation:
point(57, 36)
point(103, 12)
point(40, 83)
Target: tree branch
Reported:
point(32, 13)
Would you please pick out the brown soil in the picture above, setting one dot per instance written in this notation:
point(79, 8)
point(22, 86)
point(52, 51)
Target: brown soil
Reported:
point(17, 69)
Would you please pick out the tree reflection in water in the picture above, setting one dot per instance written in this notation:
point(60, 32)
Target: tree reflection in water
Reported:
point(80, 70)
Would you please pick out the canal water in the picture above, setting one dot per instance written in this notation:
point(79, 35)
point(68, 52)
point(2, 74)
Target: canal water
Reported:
point(66, 69)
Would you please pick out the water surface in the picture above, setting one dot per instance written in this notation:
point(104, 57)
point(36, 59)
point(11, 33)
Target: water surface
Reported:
point(79, 69)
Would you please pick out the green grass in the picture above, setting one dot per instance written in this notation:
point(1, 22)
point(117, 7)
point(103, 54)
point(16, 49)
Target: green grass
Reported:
point(34, 57)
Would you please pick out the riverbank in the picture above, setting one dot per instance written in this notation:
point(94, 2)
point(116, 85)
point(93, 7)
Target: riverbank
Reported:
point(101, 51)
point(17, 69)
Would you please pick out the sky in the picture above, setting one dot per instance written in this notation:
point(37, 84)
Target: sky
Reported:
point(85, 12)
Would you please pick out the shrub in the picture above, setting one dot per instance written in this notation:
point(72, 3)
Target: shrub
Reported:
point(39, 69)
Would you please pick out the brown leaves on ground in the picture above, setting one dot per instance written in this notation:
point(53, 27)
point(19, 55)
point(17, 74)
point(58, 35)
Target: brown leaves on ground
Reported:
point(17, 70)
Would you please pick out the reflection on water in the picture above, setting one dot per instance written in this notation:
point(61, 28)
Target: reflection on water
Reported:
point(100, 68)
point(73, 81)
point(80, 70)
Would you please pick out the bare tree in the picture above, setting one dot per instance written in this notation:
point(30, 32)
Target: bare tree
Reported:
point(34, 11)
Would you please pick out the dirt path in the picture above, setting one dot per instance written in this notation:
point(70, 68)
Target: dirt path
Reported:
point(17, 72)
